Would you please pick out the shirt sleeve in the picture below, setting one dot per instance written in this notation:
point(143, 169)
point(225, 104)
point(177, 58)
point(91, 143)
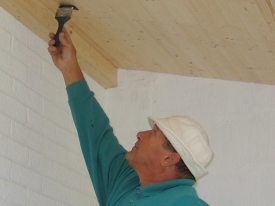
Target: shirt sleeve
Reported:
point(104, 156)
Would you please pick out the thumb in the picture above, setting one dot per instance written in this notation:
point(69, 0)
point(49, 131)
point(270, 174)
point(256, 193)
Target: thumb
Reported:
point(66, 34)
point(62, 39)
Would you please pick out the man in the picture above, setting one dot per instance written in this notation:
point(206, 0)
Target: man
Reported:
point(161, 168)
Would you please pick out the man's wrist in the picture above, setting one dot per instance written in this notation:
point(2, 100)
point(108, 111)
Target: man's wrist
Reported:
point(72, 74)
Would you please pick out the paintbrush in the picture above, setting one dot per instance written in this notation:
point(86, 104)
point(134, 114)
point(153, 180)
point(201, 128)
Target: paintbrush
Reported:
point(63, 14)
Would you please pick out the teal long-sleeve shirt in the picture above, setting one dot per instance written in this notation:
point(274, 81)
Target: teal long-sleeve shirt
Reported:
point(114, 181)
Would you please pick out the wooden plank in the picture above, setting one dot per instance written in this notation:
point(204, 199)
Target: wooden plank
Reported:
point(267, 11)
point(158, 27)
point(259, 54)
point(242, 38)
point(163, 29)
point(236, 34)
point(212, 35)
point(208, 64)
point(144, 48)
point(116, 33)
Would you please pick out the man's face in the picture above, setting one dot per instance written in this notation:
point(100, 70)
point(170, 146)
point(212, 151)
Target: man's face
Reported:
point(148, 151)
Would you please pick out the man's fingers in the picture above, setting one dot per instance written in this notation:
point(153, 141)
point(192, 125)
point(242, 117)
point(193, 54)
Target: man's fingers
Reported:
point(51, 42)
point(52, 49)
point(64, 37)
point(51, 35)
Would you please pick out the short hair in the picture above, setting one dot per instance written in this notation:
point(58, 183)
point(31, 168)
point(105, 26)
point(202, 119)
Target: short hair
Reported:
point(180, 166)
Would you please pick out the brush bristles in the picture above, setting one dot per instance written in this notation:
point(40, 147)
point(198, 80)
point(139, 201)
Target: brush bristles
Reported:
point(65, 11)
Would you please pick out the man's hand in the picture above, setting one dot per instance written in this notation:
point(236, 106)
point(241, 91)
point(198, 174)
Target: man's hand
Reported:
point(64, 57)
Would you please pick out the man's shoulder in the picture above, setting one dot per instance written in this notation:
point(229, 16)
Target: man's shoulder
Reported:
point(185, 195)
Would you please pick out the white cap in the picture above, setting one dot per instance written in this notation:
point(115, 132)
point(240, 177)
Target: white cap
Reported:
point(189, 139)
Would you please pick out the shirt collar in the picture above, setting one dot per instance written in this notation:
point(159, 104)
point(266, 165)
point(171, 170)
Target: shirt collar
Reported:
point(154, 189)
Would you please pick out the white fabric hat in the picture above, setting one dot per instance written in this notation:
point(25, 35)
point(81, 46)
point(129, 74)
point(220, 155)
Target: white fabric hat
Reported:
point(189, 139)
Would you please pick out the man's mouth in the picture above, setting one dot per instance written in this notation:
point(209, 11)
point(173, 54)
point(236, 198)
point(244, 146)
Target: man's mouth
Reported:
point(134, 147)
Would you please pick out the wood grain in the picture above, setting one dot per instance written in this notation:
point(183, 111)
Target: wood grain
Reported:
point(221, 39)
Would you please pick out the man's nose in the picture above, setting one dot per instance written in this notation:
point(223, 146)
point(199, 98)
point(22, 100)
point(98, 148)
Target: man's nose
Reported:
point(142, 135)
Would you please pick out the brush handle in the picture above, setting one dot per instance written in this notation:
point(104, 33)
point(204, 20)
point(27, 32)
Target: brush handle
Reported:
point(61, 22)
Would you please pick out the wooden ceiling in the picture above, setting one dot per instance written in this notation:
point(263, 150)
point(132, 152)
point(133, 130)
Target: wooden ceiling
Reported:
point(222, 39)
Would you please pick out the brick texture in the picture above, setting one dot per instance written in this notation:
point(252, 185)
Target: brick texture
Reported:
point(40, 158)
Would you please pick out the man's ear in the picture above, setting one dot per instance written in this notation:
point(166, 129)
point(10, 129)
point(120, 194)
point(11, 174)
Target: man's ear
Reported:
point(170, 159)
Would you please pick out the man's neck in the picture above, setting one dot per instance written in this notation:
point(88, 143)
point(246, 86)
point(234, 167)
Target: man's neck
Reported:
point(149, 178)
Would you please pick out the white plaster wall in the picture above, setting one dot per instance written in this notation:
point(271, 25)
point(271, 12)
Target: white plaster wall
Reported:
point(40, 158)
point(238, 117)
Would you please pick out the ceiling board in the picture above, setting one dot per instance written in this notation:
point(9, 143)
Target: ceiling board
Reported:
point(221, 39)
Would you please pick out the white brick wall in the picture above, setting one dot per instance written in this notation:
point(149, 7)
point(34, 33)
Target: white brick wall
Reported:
point(40, 158)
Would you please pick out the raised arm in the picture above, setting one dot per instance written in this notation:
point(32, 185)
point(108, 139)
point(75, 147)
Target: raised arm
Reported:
point(104, 156)
point(64, 58)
